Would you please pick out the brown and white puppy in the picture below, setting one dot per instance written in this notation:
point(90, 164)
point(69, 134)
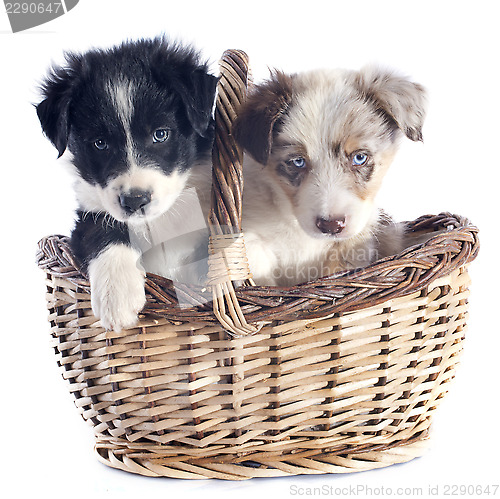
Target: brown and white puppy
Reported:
point(320, 144)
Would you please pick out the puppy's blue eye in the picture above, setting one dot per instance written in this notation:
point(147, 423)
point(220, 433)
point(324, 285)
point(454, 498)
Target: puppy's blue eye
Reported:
point(359, 159)
point(101, 144)
point(298, 162)
point(160, 135)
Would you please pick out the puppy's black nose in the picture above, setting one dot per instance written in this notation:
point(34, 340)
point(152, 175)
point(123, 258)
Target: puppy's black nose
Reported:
point(330, 226)
point(134, 200)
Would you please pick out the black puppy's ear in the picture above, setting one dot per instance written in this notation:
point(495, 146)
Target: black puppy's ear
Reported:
point(53, 111)
point(198, 96)
point(179, 69)
point(265, 105)
point(402, 100)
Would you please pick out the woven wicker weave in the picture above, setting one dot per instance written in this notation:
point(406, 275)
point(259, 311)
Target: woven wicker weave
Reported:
point(341, 374)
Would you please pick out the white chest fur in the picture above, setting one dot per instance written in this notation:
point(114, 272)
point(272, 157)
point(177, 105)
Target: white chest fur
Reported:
point(174, 244)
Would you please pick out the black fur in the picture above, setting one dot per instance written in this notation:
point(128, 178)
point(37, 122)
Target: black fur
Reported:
point(92, 234)
point(172, 89)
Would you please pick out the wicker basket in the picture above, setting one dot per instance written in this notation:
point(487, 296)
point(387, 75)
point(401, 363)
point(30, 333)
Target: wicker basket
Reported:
point(338, 375)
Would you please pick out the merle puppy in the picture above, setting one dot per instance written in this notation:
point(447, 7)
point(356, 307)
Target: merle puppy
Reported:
point(320, 144)
point(137, 122)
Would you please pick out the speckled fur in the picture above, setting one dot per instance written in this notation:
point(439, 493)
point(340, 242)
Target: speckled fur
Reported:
point(325, 118)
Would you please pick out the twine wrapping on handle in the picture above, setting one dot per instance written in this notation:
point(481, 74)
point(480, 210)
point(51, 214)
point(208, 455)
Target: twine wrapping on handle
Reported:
point(228, 265)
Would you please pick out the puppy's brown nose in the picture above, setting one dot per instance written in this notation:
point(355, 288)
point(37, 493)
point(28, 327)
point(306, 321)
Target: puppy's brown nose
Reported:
point(330, 225)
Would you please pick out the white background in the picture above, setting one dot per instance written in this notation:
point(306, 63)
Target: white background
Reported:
point(450, 47)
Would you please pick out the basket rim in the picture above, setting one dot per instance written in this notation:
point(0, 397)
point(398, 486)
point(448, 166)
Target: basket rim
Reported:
point(392, 277)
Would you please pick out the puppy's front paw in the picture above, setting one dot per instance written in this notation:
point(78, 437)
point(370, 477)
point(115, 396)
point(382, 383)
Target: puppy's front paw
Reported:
point(117, 287)
point(116, 306)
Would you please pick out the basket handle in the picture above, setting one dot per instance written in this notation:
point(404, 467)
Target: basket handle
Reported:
point(228, 265)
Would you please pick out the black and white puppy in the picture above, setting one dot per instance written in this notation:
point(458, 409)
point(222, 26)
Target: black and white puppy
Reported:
point(137, 122)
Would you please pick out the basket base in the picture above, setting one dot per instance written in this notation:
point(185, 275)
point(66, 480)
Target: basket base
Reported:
point(325, 463)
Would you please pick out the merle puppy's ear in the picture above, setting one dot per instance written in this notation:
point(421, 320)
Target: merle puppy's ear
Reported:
point(399, 98)
point(53, 111)
point(198, 96)
point(265, 105)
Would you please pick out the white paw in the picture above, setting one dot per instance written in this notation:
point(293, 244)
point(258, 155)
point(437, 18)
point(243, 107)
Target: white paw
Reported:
point(117, 287)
